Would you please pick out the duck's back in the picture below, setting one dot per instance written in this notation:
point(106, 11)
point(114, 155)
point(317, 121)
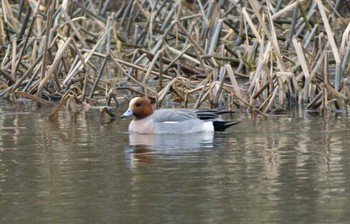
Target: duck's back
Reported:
point(179, 121)
point(175, 115)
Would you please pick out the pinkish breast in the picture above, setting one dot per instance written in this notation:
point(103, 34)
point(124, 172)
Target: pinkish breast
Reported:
point(143, 126)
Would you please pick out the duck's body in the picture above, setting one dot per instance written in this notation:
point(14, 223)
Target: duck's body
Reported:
point(167, 121)
point(172, 121)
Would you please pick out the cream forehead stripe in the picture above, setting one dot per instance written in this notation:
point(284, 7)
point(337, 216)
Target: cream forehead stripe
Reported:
point(132, 102)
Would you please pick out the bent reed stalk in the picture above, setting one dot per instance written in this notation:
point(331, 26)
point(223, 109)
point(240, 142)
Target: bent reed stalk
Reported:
point(260, 56)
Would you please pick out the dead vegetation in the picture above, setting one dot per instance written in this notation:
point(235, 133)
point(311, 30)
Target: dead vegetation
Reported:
point(257, 55)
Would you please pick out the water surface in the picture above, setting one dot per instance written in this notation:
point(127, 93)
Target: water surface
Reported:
point(293, 168)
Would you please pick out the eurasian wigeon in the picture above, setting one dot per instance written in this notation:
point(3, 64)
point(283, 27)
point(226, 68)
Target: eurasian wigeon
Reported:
point(172, 121)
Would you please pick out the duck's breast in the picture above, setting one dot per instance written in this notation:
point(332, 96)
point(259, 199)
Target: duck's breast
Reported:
point(142, 126)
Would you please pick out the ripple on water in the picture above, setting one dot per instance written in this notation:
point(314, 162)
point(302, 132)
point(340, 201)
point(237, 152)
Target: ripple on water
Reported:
point(281, 170)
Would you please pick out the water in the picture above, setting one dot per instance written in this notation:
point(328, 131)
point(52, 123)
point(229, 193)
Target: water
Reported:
point(293, 168)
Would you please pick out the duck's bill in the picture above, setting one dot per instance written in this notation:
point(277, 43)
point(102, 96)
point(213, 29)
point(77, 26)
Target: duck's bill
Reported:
point(127, 113)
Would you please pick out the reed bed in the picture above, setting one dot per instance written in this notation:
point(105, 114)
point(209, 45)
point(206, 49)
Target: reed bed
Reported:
point(256, 56)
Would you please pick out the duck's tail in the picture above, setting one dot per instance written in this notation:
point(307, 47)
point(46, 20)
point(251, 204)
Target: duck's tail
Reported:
point(223, 125)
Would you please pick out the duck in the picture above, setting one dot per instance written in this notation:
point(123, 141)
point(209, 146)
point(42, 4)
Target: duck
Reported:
point(173, 121)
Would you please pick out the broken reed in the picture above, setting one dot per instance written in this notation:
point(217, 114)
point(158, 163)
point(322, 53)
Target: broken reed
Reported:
point(259, 55)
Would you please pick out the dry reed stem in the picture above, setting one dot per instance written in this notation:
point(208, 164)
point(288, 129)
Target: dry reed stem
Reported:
point(202, 53)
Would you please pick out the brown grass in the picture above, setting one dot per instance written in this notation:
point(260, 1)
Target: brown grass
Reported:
point(257, 55)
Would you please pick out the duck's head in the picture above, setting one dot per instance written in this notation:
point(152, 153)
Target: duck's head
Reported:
point(139, 107)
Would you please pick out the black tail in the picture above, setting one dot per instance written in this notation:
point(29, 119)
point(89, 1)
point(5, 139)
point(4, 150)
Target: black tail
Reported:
point(223, 125)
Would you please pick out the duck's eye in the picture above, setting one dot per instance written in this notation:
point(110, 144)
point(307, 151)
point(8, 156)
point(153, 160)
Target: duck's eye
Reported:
point(138, 104)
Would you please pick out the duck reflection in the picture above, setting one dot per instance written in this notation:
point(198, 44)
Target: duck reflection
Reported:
point(145, 147)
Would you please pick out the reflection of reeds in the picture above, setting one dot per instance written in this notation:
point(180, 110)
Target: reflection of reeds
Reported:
point(252, 54)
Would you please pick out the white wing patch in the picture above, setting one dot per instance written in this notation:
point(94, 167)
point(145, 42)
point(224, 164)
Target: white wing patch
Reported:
point(170, 122)
point(208, 127)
